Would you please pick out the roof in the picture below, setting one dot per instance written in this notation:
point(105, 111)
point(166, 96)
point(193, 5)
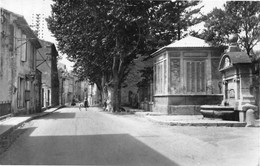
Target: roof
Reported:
point(234, 58)
point(24, 26)
point(21, 23)
point(238, 57)
point(187, 42)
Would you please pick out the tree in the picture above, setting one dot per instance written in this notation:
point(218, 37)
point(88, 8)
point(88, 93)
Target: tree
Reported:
point(100, 36)
point(169, 20)
point(240, 17)
point(104, 37)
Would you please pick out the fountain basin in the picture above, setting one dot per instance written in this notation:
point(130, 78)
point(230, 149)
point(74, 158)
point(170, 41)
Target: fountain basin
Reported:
point(219, 112)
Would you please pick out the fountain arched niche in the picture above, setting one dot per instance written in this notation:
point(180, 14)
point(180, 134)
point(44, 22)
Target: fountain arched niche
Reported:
point(235, 67)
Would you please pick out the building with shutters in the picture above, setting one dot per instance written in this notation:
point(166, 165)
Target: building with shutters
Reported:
point(186, 76)
point(18, 46)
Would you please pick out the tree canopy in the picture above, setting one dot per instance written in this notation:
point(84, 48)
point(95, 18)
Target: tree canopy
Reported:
point(240, 17)
point(103, 37)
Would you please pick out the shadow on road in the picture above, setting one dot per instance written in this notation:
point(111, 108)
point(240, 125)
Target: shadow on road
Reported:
point(107, 149)
point(60, 115)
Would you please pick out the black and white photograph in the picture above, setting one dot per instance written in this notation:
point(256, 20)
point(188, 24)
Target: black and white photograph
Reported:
point(130, 82)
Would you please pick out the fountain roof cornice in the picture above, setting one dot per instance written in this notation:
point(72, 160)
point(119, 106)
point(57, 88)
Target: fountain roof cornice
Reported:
point(234, 54)
point(234, 58)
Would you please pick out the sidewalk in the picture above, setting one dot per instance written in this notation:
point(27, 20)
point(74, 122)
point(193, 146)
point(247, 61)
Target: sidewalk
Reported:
point(186, 120)
point(9, 124)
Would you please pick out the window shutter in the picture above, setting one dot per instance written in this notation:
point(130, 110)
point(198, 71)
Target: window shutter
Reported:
point(195, 76)
point(193, 79)
point(199, 79)
point(203, 86)
point(23, 48)
point(11, 38)
point(188, 75)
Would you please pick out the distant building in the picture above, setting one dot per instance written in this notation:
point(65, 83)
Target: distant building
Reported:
point(67, 84)
point(94, 98)
point(39, 24)
point(47, 64)
point(18, 82)
point(37, 21)
point(81, 89)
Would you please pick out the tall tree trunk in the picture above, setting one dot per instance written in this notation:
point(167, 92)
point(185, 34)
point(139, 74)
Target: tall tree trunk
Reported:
point(116, 79)
point(116, 97)
point(104, 90)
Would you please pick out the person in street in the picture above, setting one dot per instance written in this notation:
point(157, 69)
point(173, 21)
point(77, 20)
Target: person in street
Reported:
point(86, 103)
point(105, 105)
point(73, 102)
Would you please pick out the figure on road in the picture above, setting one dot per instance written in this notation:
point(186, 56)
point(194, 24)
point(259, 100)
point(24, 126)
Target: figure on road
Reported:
point(86, 103)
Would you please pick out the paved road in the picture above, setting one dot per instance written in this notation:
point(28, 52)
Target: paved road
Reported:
point(74, 137)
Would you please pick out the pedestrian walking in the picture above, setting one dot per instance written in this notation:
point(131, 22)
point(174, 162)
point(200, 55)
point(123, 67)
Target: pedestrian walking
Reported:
point(86, 103)
point(105, 105)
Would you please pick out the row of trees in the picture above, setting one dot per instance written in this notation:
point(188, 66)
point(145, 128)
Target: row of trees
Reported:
point(103, 37)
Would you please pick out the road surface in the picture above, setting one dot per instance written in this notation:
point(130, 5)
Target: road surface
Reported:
point(93, 137)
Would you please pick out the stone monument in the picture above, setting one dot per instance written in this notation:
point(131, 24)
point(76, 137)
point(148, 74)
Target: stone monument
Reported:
point(235, 67)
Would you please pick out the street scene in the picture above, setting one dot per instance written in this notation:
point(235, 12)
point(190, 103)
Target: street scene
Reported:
point(130, 82)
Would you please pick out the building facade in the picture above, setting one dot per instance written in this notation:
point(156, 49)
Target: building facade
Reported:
point(67, 85)
point(137, 90)
point(81, 90)
point(18, 64)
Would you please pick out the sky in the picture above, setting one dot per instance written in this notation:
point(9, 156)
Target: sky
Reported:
point(27, 7)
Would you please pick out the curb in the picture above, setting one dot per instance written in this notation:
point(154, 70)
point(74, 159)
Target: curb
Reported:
point(199, 124)
point(11, 129)
point(152, 118)
point(45, 113)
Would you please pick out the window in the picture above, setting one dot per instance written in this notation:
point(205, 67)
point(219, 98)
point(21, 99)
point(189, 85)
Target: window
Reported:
point(27, 90)
point(21, 92)
point(42, 97)
point(195, 77)
point(48, 98)
point(11, 37)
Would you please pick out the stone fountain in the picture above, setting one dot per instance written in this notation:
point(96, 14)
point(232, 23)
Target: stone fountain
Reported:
point(235, 67)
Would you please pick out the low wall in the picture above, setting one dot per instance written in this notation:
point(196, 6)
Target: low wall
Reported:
point(184, 104)
point(195, 99)
point(184, 110)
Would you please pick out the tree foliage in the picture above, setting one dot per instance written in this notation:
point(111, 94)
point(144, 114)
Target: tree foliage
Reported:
point(103, 37)
point(240, 17)
point(170, 19)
